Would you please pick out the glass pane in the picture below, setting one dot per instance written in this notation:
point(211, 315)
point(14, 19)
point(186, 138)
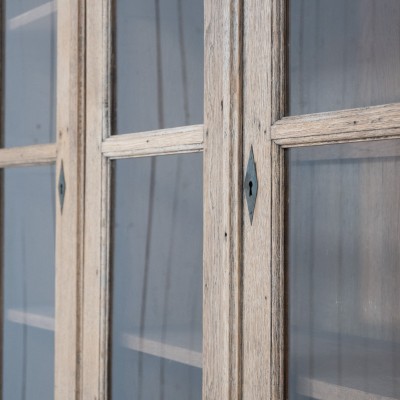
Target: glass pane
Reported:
point(157, 278)
point(30, 72)
point(343, 54)
point(29, 279)
point(159, 64)
point(343, 271)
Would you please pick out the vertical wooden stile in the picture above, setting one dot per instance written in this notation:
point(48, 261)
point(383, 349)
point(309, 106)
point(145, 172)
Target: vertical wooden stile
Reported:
point(69, 219)
point(278, 306)
point(96, 274)
point(222, 200)
point(2, 80)
point(263, 104)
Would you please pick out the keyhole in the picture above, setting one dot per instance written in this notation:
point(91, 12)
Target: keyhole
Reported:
point(61, 188)
point(251, 188)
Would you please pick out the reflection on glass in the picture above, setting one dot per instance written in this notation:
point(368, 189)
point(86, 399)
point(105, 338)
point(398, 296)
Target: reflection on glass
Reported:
point(30, 69)
point(159, 64)
point(157, 278)
point(29, 278)
point(343, 54)
point(343, 271)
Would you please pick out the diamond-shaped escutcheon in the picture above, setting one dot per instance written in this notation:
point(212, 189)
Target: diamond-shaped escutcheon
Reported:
point(251, 185)
point(61, 186)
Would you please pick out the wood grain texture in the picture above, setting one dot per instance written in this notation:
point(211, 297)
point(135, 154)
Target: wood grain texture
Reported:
point(2, 222)
point(278, 51)
point(355, 121)
point(263, 103)
point(96, 275)
point(69, 220)
point(278, 339)
point(222, 200)
point(165, 141)
point(28, 155)
point(339, 138)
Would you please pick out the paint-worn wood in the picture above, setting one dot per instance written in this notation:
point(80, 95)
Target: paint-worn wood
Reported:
point(100, 148)
point(339, 138)
point(278, 52)
point(222, 200)
point(2, 223)
point(69, 221)
point(278, 339)
point(28, 155)
point(378, 118)
point(263, 103)
point(96, 276)
point(166, 141)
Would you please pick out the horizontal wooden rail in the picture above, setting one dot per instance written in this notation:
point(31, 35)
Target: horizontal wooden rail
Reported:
point(370, 121)
point(339, 138)
point(164, 141)
point(28, 155)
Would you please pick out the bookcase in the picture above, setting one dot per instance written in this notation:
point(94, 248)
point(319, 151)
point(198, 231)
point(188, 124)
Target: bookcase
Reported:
point(199, 199)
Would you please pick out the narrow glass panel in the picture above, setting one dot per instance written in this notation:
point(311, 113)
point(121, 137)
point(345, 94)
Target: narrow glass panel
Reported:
point(29, 279)
point(343, 274)
point(157, 278)
point(30, 69)
point(159, 64)
point(343, 54)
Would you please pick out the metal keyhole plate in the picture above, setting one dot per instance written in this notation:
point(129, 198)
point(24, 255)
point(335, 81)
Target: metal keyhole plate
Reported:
point(251, 185)
point(61, 186)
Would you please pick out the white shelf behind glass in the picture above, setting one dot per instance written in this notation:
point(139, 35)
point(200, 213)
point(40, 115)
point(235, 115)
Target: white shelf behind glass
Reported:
point(181, 346)
point(42, 318)
point(32, 15)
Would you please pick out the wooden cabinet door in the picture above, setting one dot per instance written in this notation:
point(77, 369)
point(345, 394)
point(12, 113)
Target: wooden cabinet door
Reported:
point(162, 200)
point(41, 197)
point(334, 193)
